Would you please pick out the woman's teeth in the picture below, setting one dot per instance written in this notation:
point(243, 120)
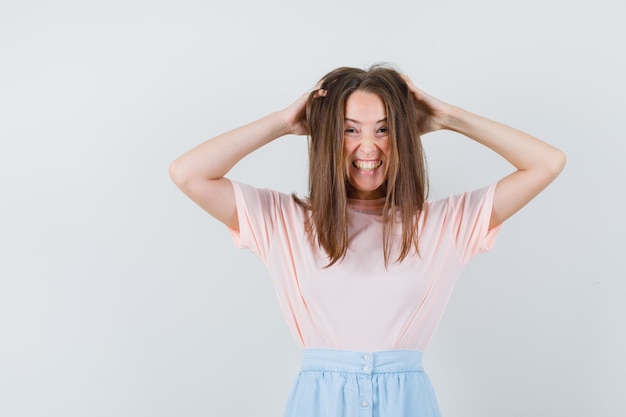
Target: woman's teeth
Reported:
point(366, 166)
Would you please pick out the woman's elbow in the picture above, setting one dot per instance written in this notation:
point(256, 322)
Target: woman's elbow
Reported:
point(557, 162)
point(178, 173)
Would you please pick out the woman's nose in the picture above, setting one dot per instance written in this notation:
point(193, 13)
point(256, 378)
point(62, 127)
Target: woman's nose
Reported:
point(367, 142)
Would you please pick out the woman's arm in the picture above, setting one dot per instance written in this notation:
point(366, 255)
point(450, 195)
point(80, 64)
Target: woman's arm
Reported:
point(537, 162)
point(199, 173)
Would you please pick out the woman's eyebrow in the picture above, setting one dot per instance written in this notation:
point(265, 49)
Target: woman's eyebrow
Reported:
point(347, 119)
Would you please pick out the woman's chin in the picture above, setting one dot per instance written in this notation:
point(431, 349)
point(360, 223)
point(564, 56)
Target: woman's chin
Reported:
point(366, 191)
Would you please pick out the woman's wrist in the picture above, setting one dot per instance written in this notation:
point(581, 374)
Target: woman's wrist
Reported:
point(276, 124)
point(283, 124)
point(454, 118)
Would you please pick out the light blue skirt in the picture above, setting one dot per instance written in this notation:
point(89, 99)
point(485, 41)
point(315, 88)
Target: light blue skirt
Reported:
point(341, 383)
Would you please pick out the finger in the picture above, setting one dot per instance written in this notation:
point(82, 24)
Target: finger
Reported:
point(317, 92)
point(408, 81)
point(416, 91)
point(320, 93)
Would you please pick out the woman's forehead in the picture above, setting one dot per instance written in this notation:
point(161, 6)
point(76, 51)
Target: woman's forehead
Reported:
point(365, 107)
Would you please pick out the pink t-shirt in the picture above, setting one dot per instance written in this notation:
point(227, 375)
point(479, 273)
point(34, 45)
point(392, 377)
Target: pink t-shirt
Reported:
point(357, 304)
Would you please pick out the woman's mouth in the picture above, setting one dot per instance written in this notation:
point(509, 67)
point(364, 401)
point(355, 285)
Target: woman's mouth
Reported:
point(366, 165)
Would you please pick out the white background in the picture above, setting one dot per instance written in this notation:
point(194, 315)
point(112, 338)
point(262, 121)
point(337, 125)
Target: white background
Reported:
point(119, 297)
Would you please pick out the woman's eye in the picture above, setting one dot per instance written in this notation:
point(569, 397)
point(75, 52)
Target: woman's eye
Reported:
point(382, 130)
point(350, 130)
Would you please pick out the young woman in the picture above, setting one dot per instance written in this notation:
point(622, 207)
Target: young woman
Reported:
point(364, 265)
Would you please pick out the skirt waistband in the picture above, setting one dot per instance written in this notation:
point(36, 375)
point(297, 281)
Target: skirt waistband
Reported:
point(387, 361)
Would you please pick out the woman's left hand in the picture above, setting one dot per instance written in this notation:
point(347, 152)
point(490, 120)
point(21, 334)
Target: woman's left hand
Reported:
point(432, 112)
point(537, 162)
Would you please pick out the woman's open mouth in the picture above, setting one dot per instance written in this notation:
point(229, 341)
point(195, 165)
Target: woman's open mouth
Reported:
point(366, 165)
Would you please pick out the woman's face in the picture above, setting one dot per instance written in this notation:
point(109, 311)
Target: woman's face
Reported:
point(366, 145)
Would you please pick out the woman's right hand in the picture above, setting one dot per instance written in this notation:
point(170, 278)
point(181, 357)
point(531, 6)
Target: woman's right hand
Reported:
point(200, 172)
point(294, 115)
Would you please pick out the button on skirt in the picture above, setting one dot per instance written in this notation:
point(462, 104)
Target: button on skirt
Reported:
point(340, 383)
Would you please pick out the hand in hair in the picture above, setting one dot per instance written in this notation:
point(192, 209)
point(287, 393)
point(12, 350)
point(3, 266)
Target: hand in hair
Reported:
point(294, 115)
point(537, 162)
point(432, 111)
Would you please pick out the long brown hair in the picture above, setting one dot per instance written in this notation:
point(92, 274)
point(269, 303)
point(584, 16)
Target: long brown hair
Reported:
point(407, 182)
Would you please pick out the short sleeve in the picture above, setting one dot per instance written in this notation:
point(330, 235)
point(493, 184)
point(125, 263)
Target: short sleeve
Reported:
point(470, 214)
point(256, 210)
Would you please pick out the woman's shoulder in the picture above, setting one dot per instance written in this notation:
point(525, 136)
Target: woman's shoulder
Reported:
point(269, 197)
point(456, 204)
